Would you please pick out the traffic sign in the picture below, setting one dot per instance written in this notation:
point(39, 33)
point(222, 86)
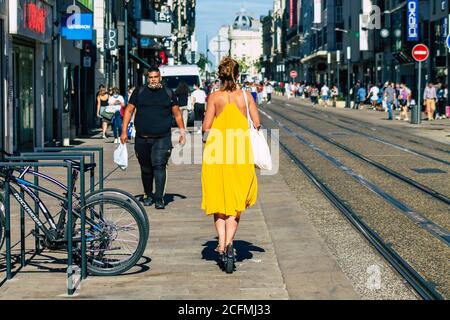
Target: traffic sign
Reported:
point(420, 52)
point(448, 42)
point(294, 74)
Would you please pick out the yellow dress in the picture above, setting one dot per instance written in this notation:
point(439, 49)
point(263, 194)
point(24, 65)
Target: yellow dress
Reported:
point(229, 181)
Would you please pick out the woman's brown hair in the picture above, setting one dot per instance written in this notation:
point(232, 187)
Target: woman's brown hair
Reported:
point(228, 73)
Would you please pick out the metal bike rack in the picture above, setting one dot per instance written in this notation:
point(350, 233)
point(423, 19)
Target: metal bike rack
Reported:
point(67, 156)
point(82, 149)
point(26, 161)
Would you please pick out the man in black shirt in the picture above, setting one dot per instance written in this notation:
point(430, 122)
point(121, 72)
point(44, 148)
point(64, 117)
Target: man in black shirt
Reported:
point(155, 106)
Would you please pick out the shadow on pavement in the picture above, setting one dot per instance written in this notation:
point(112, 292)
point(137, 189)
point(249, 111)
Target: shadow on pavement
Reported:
point(168, 198)
point(243, 249)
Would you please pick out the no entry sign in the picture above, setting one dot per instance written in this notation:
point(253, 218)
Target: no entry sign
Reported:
point(420, 52)
point(294, 74)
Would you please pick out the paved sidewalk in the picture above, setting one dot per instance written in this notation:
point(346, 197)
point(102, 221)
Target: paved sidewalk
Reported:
point(438, 130)
point(280, 255)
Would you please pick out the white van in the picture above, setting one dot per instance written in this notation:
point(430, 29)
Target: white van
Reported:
point(173, 75)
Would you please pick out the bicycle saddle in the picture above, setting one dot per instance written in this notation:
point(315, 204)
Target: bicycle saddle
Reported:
point(76, 165)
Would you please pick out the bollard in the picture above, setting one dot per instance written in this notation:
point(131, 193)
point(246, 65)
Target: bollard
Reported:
point(416, 115)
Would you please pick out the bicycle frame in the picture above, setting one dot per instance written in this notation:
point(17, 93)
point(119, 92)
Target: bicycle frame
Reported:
point(53, 232)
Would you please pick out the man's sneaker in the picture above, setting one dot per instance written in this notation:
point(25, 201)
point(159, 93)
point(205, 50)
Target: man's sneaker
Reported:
point(406, 119)
point(147, 200)
point(160, 205)
point(116, 141)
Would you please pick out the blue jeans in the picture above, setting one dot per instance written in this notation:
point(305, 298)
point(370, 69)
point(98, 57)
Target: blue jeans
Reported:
point(389, 106)
point(117, 125)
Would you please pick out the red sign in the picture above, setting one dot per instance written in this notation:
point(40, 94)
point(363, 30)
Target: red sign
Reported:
point(420, 53)
point(291, 13)
point(294, 74)
point(34, 18)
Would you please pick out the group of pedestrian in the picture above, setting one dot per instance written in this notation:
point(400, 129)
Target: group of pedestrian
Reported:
point(392, 97)
point(110, 109)
point(435, 99)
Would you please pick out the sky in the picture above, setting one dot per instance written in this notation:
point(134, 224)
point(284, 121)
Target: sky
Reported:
point(212, 14)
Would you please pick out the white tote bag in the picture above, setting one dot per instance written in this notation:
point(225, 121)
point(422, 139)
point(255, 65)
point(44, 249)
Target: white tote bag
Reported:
point(261, 151)
point(121, 157)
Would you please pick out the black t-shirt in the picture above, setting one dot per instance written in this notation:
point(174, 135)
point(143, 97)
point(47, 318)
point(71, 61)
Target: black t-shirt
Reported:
point(153, 111)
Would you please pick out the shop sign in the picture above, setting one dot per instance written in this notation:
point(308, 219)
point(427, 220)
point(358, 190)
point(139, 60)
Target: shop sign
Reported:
point(31, 19)
point(413, 20)
point(78, 26)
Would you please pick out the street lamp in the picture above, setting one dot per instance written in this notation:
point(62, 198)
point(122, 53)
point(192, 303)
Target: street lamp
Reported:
point(126, 50)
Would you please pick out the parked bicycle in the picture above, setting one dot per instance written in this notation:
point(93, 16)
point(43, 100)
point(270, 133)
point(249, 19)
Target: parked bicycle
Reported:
point(117, 227)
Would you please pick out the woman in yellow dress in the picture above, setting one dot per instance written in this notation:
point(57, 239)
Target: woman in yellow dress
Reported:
point(229, 181)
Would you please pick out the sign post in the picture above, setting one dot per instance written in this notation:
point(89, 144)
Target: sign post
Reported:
point(294, 74)
point(420, 53)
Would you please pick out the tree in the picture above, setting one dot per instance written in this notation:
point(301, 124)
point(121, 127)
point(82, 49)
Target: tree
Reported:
point(243, 63)
point(203, 62)
point(259, 65)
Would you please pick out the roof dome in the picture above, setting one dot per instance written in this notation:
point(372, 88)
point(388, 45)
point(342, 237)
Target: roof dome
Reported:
point(243, 21)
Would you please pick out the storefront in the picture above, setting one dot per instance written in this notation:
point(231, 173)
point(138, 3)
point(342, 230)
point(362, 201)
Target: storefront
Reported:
point(76, 73)
point(3, 21)
point(31, 28)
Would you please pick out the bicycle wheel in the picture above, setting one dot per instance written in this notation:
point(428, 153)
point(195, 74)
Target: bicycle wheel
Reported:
point(124, 196)
point(116, 236)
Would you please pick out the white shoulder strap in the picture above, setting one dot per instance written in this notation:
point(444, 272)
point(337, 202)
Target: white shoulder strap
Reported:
point(250, 122)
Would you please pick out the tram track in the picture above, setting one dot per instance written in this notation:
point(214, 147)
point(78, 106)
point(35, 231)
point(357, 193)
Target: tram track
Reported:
point(371, 137)
point(421, 283)
point(423, 288)
point(376, 164)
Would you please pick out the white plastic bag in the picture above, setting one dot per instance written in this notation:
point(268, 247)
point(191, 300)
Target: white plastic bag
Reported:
point(261, 151)
point(121, 157)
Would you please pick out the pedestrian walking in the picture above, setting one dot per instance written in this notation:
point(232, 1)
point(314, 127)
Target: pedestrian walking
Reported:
point(325, 94)
point(102, 103)
point(360, 97)
point(254, 91)
point(314, 95)
point(182, 92)
point(115, 104)
point(429, 102)
point(199, 103)
point(269, 90)
point(404, 101)
point(229, 181)
point(390, 97)
point(155, 106)
point(441, 102)
point(373, 96)
point(334, 95)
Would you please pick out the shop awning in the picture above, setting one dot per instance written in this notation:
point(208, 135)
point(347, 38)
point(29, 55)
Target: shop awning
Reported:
point(139, 60)
point(318, 54)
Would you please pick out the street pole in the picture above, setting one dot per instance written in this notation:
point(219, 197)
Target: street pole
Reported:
point(338, 63)
point(126, 52)
point(329, 68)
point(419, 96)
point(349, 57)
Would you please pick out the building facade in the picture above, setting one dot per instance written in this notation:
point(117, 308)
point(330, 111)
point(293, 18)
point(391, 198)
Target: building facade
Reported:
point(244, 38)
point(342, 41)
